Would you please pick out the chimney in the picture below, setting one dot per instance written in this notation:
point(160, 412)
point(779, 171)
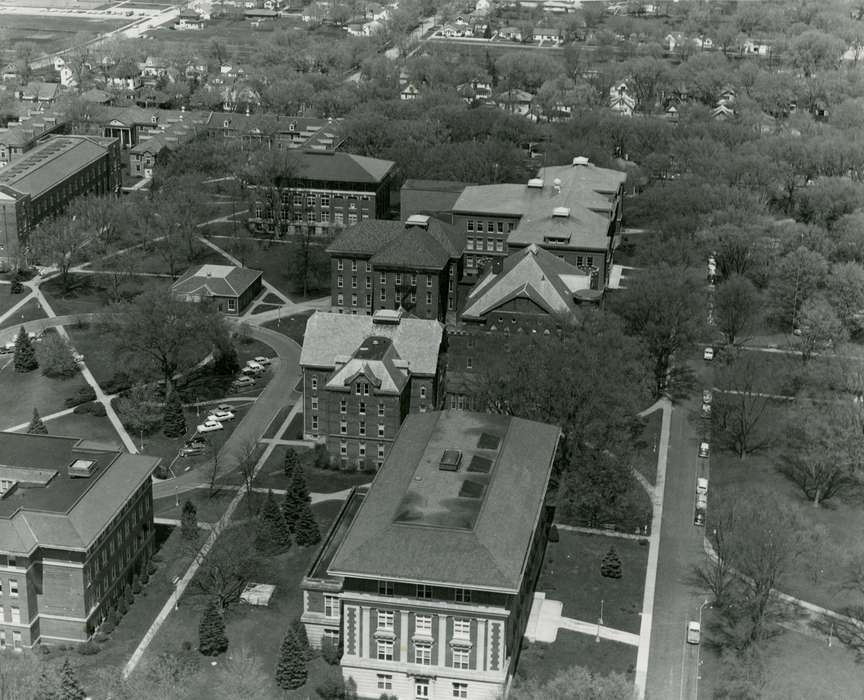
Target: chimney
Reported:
point(417, 221)
point(536, 183)
point(581, 161)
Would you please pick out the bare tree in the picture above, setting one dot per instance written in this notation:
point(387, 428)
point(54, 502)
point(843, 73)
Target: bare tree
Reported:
point(224, 569)
point(61, 242)
point(246, 455)
point(737, 307)
point(266, 173)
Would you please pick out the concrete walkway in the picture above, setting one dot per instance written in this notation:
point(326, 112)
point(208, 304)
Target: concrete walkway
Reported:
point(234, 261)
point(598, 531)
point(45, 419)
point(545, 619)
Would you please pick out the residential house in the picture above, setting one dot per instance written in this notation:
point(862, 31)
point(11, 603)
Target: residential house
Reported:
point(76, 526)
point(279, 131)
point(409, 92)
point(362, 375)
point(9, 73)
point(620, 100)
point(97, 96)
point(755, 47)
point(40, 184)
point(413, 265)
point(511, 33)
point(722, 112)
point(432, 197)
point(124, 76)
point(156, 143)
point(38, 93)
point(516, 101)
point(427, 579)
point(229, 287)
point(19, 137)
point(546, 34)
point(67, 77)
point(153, 70)
point(189, 20)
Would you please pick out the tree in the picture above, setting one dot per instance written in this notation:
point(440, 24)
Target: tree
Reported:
point(306, 530)
point(211, 631)
point(665, 307)
point(821, 329)
point(576, 683)
point(70, 689)
point(25, 356)
point(796, 276)
point(61, 241)
point(189, 521)
point(267, 173)
point(610, 567)
point(55, 356)
point(140, 408)
point(291, 462)
point(308, 264)
point(224, 570)
point(105, 218)
point(242, 676)
point(174, 421)
point(296, 496)
point(247, 459)
point(737, 309)
point(845, 292)
point(291, 667)
point(37, 427)
point(273, 532)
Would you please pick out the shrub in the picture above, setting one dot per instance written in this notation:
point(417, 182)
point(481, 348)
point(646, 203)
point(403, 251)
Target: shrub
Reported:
point(553, 534)
point(331, 689)
point(151, 568)
point(88, 407)
point(136, 585)
point(55, 357)
point(119, 382)
point(107, 627)
point(101, 638)
point(88, 648)
point(122, 606)
point(186, 646)
point(45, 649)
point(211, 632)
point(610, 567)
point(127, 593)
point(113, 617)
point(145, 577)
point(84, 395)
point(98, 409)
point(330, 652)
point(320, 457)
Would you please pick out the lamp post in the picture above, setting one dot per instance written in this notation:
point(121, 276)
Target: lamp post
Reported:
point(699, 653)
point(141, 439)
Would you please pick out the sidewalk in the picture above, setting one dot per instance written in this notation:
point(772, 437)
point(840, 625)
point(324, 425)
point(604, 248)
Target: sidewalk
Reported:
point(545, 620)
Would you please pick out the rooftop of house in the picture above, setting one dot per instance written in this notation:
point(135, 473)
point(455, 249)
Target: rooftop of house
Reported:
point(304, 132)
point(443, 507)
point(335, 166)
point(40, 91)
point(570, 204)
point(427, 244)
point(532, 273)
point(215, 280)
point(30, 128)
point(53, 161)
point(132, 115)
point(333, 340)
point(64, 490)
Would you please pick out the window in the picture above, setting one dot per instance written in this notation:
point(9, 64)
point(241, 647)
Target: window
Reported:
point(343, 449)
point(325, 200)
point(339, 283)
point(428, 280)
point(353, 300)
point(310, 200)
point(490, 227)
point(589, 260)
point(368, 300)
point(500, 226)
point(461, 595)
point(385, 620)
point(385, 650)
point(383, 278)
point(423, 625)
point(314, 403)
point(469, 363)
point(469, 261)
point(398, 278)
point(383, 295)
point(368, 266)
point(343, 427)
point(13, 587)
point(413, 297)
point(332, 636)
point(510, 226)
point(361, 449)
point(461, 659)
point(460, 690)
point(423, 653)
point(339, 217)
point(469, 243)
point(353, 266)
point(314, 424)
point(16, 615)
point(365, 386)
point(331, 606)
point(490, 245)
point(470, 226)
point(380, 450)
point(343, 406)
point(311, 217)
point(424, 591)
point(422, 392)
point(421, 689)
point(380, 415)
point(361, 409)
point(413, 279)
point(340, 300)
point(16, 640)
point(362, 429)
point(462, 628)
point(499, 246)
point(314, 383)
point(368, 283)
point(385, 588)
point(353, 281)
point(385, 681)
point(428, 298)
point(2, 640)
point(578, 261)
point(380, 430)
point(352, 218)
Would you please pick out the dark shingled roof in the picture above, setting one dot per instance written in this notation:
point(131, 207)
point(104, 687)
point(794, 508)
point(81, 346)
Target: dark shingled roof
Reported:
point(340, 167)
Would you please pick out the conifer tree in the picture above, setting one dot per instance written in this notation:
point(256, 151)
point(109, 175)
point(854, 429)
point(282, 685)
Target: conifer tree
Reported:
point(70, 689)
point(25, 354)
point(273, 531)
point(292, 461)
point(610, 567)
point(211, 631)
point(296, 496)
point(173, 421)
point(46, 686)
point(291, 668)
point(37, 427)
point(189, 521)
point(299, 630)
point(306, 530)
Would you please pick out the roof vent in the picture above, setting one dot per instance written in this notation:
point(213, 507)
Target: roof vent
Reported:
point(387, 316)
point(581, 160)
point(82, 467)
point(417, 220)
point(450, 461)
point(562, 212)
point(536, 183)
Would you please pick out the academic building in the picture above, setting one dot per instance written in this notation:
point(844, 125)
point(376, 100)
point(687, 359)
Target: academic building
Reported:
point(76, 524)
point(427, 578)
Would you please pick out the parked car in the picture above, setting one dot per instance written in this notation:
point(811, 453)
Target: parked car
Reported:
point(220, 416)
point(244, 381)
point(707, 396)
point(704, 448)
point(708, 355)
point(77, 356)
point(702, 485)
point(191, 451)
point(261, 360)
point(225, 407)
point(7, 349)
point(195, 442)
point(699, 518)
point(702, 501)
point(257, 366)
point(208, 426)
point(250, 371)
point(694, 632)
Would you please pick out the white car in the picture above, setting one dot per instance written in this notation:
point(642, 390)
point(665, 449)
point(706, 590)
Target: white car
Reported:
point(257, 366)
point(250, 371)
point(208, 426)
point(219, 416)
point(694, 632)
point(702, 501)
point(242, 381)
point(704, 448)
point(701, 485)
point(7, 349)
point(708, 355)
point(261, 360)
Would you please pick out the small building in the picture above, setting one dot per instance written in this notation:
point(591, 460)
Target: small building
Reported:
point(409, 92)
point(39, 93)
point(189, 20)
point(511, 33)
point(231, 288)
point(516, 101)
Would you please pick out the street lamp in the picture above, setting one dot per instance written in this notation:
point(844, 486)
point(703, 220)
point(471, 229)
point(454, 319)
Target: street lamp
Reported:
point(142, 439)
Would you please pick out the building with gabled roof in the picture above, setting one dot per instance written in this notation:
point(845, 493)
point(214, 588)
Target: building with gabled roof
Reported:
point(362, 375)
point(412, 265)
point(283, 132)
point(428, 578)
point(76, 524)
point(230, 288)
point(430, 197)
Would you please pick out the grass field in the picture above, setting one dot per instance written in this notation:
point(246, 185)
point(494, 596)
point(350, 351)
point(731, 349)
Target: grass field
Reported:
point(55, 33)
point(30, 311)
point(541, 661)
point(317, 480)
point(93, 428)
point(293, 326)
point(22, 392)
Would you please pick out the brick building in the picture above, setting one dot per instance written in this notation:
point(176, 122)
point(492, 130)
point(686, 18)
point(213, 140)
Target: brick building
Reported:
point(412, 265)
point(572, 210)
point(19, 137)
point(431, 197)
point(362, 375)
point(428, 578)
point(45, 179)
point(277, 130)
point(229, 287)
point(76, 523)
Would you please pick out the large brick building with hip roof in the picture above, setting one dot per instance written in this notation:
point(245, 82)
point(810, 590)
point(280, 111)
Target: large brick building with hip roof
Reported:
point(76, 523)
point(428, 578)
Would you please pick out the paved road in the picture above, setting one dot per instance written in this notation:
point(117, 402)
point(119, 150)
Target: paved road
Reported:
point(674, 663)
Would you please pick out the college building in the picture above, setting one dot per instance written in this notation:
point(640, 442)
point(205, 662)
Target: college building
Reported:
point(362, 375)
point(229, 287)
point(427, 578)
point(76, 524)
point(42, 182)
point(413, 265)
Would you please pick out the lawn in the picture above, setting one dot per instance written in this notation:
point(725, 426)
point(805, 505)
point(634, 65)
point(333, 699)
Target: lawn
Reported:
point(577, 557)
point(89, 293)
point(541, 661)
point(149, 260)
point(88, 340)
point(7, 300)
point(645, 448)
point(277, 422)
point(22, 392)
point(210, 508)
point(29, 312)
point(293, 326)
point(318, 480)
point(54, 33)
point(93, 428)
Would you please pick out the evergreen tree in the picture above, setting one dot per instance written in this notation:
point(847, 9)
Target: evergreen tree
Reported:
point(211, 631)
point(299, 630)
point(189, 521)
point(69, 686)
point(610, 567)
point(292, 461)
point(291, 668)
point(296, 496)
point(37, 427)
point(46, 686)
point(273, 531)
point(16, 287)
point(306, 530)
point(25, 354)
point(173, 420)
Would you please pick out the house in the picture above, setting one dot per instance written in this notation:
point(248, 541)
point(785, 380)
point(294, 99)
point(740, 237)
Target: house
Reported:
point(230, 288)
point(39, 93)
point(755, 47)
point(125, 75)
point(76, 526)
point(21, 136)
point(43, 181)
point(278, 131)
point(156, 143)
point(853, 54)
point(97, 96)
point(58, 62)
point(516, 101)
point(572, 210)
point(189, 20)
point(9, 73)
point(409, 92)
point(475, 91)
point(722, 112)
point(511, 33)
point(372, 27)
point(482, 6)
point(67, 77)
point(413, 265)
point(620, 100)
point(671, 113)
point(326, 191)
point(432, 197)
point(362, 375)
point(153, 70)
point(427, 578)
point(546, 34)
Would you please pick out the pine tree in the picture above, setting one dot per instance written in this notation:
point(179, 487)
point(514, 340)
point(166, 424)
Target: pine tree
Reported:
point(291, 668)
point(292, 461)
point(306, 530)
point(37, 427)
point(69, 687)
point(25, 355)
point(610, 567)
point(296, 496)
point(211, 631)
point(173, 420)
point(189, 521)
point(299, 630)
point(273, 531)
